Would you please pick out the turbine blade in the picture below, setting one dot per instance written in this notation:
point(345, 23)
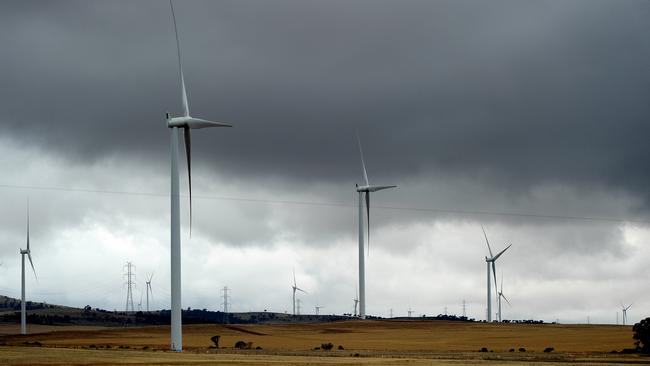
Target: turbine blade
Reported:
point(363, 164)
point(501, 252)
point(299, 289)
point(29, 255)
point(505, 298)
point(487, 241)
point(195, 123)
point(368, 214)
point(28, 227)
point(188, 152)
point(379, 188)
point(186, 108)
point(494, 271)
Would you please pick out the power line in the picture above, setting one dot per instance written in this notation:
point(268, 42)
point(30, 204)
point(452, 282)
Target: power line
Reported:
point(343, 204)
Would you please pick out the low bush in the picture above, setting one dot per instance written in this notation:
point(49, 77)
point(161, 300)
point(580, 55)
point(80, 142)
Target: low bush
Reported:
point(549, 349)
point(326, 346)
point(240, 345)
point(340, 347)
point(483, 349)
point(522, 349)
point(511, 350)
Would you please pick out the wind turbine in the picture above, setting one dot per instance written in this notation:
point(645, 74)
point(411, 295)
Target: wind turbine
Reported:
point(23, 305)
point(318, 309)
point(149, 290)
point(491, 260)
point(186, 123)
point(625, 312)
point(501, 295)
point(356, 301)
point(295, 287)
point(140, 303)
point(362, 270)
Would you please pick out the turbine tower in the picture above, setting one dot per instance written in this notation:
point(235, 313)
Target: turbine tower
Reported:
point(294, 288)
point(625, 309)
point(491, 261)
point(23, 305)
point(362, 269)
point(149, 290)
point(501, 295)
point(175, 124)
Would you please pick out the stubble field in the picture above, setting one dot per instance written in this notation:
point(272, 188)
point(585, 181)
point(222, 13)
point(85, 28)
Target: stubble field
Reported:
point(364, 342)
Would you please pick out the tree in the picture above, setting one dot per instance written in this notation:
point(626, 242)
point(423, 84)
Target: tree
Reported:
point(642, 335)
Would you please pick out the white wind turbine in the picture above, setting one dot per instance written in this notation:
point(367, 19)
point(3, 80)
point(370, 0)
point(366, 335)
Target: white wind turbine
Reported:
point(501, 295)
point(23, 305)
point(362, 270)
point(295, 288)
point(149, 290)
point(187, 123)
point(356, 301)
point(625, 309)
point(491, 260)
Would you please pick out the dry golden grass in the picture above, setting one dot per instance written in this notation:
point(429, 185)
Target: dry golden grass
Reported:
point(378, 342)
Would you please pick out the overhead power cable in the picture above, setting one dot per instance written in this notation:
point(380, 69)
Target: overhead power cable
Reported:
point(343, 204)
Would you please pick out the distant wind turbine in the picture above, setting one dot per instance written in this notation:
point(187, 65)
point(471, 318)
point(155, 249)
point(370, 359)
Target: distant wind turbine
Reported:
point(362, 269)
point(295, 288)
point(501, 295)
point(318, 309)
point(187, 123)
point(625, 309)
point(149, 290)
point(23, 305)
point(356, 301)
point(140, 303)
point(491, 260)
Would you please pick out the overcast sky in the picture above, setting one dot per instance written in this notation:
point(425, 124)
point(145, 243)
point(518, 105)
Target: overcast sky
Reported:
point(535, 109)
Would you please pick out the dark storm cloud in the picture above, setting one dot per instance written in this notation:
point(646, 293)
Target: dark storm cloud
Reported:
point(510, 93)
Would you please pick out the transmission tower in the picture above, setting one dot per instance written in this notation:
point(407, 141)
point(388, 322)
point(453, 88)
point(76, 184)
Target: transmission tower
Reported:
point(129, 276)
point(226, 306)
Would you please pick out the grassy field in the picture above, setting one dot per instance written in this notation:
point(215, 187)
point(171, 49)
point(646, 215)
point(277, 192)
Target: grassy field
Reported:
point(375, 342)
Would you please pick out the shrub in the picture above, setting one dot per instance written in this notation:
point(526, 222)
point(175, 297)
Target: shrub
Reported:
point(642, 335)
point(316, 348)
point(511, 350)
point(215, 340)
point(549, 349)
point(522, 349)
point(258, 347)
point(326, 346)
point(356, 355)
point(483, 349)
point(240, 345)
point(340, 347)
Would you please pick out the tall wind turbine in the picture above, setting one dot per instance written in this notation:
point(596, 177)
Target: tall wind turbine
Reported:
point(356, 301)
point(186, 123)
point(491, 260)
point(23, 305)
point(362, 269)
point(149, 290)
point(625, 309)
point(295, 288)
point(501, 295)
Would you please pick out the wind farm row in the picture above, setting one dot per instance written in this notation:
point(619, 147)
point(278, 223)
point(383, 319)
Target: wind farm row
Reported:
point(184, 123)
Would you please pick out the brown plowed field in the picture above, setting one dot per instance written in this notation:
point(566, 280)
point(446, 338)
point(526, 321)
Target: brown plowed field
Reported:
point(375, 342)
